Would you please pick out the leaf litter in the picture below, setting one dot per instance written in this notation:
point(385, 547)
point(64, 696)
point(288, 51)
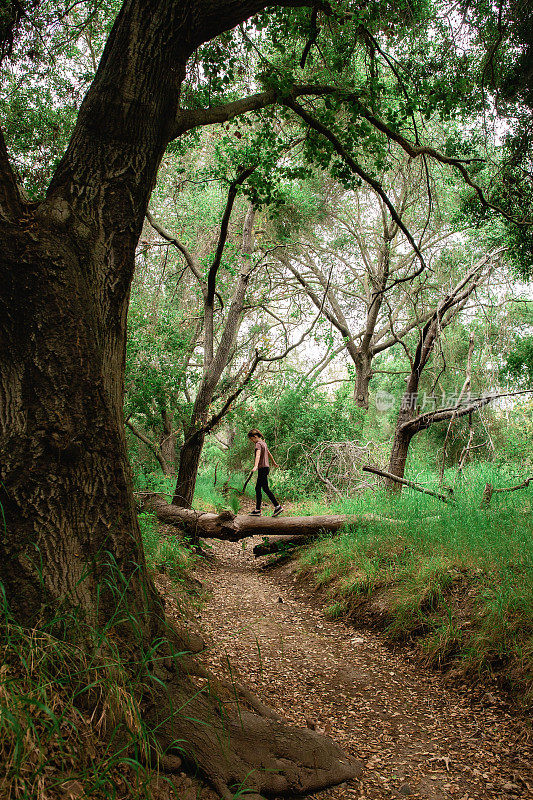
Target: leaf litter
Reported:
point(417, 735)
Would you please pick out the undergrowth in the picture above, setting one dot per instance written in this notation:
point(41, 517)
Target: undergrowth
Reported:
point(71, 722)
point(457, 578)
point(225, 493)
point(165, 554)
point(71, 701)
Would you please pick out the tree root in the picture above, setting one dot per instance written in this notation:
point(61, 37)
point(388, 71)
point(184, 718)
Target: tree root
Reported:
point(210, 727)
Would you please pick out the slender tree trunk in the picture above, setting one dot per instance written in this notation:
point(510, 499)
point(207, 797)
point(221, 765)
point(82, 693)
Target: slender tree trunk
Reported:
point(167, 443)
point(215, 362)
point(403, 433)
point(398, 457)
point(408, 424)
point(190, 455)
point(363, 374)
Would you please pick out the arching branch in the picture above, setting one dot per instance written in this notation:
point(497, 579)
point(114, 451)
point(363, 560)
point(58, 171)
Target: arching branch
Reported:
point(191, 261)
point(358, 170)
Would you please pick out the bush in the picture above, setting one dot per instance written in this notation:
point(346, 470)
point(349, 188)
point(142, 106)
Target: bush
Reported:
point(293, 421)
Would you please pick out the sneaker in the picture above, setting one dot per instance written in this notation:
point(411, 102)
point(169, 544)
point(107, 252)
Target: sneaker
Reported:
point(255, 513)
point(277, 511)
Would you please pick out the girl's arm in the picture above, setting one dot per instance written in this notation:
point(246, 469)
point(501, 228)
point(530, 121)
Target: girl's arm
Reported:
point(257, 457)
point(272, 458)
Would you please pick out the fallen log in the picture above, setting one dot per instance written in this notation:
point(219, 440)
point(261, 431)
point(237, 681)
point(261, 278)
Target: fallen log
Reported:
point(489, 490)
point(230, 527)
point(275, 544)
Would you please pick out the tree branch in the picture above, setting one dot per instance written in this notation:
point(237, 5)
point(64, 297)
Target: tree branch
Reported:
point(192, 118)
point(313, 35)
point(215, 419)
point(212, 274)
point(343, 330)
point(187, 119)
point(192, 263)
point(354, 166)
point(11, 204)
point(423, 421)
point(405, 482)
point(151, 446)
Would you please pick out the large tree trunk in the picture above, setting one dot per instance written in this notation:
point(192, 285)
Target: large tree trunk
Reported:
point(65, 487)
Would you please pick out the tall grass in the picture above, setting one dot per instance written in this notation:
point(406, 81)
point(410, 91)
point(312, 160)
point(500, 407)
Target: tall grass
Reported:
point(71, 720)
point(458, 577)
point(165, 554)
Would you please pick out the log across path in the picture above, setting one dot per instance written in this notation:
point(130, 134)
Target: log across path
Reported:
point(417, 735)
point(230, 527)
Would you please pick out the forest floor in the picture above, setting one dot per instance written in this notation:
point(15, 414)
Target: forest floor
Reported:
point(417, 735)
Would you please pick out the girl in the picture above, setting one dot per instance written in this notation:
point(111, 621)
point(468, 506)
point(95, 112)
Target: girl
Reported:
point(262, 467)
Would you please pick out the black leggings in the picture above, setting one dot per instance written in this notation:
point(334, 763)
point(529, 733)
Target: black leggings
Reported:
point(262, 483)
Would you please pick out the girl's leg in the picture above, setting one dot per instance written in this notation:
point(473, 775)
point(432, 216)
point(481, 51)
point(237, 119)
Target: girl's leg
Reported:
point(258, 497)
point(268, 490)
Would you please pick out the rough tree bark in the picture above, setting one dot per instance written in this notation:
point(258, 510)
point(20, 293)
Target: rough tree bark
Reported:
point(70, 533)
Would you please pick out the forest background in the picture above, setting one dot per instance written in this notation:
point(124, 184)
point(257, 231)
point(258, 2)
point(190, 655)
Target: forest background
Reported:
point(336, 249)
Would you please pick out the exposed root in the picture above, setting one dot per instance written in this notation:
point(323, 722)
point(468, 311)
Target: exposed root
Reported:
point(235, 748)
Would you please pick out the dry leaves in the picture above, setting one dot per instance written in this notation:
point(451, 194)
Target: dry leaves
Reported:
point(417, 735)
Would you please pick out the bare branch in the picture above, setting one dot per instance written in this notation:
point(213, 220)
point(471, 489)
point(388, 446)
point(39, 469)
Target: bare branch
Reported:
point(223, 235)
point(405, 482)
point(423, 421)
point(215, 419)
point(304, 335)
point(192, 263)
point(151, 446)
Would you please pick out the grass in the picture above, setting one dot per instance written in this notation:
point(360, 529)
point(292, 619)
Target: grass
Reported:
point(458, 579)
point(169, 555)
point(71, 722)
point(71, 715)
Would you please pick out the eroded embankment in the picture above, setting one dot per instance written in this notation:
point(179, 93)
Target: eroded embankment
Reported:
point(417, 735)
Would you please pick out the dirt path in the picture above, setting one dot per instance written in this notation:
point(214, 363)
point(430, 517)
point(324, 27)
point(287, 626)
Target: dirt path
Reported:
point(417, 736)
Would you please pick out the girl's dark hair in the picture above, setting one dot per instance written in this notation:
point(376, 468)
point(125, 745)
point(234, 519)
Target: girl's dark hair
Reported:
point(255, 432)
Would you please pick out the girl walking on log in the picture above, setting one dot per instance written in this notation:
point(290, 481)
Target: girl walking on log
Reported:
point(262, 467)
